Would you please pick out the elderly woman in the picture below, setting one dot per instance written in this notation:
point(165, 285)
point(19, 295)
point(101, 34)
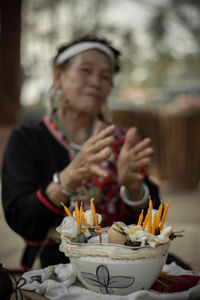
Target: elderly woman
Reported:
point(72, 154)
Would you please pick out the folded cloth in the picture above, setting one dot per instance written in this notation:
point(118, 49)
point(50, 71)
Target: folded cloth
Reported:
point(44, 280)
point(59, 283)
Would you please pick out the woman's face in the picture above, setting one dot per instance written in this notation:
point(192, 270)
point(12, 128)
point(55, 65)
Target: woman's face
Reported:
point(86, 81)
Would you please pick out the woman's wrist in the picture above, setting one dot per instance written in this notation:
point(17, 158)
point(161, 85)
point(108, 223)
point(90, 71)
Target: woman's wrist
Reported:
point(55, 194)
point(141, 199)
point(69, 192)
point(65, 191)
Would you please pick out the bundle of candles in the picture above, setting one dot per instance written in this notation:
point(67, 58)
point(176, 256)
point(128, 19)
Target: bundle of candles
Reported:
point(79, 214)
point(88, 220)
point(80, 226)
point(157, 225)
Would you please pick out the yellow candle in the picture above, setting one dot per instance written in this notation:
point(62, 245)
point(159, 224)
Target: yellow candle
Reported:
point(68, 212)
point(149, 222)
point(164, 215)
point(145, 221)
point(150, 203)
point(154, 224)
point(77, 213)
point(82, 214)
point(140, 218)
point(159, 214)
point(93, 210)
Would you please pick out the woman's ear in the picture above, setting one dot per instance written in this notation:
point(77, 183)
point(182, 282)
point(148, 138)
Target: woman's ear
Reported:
point(56, 76)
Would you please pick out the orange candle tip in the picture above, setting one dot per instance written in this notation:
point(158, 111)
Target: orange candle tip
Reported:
point(164, 215)
point(68, 212)
point(140, 219)
point(159, 214)
point(93, 210)
point(82, 214)
point(150, 203)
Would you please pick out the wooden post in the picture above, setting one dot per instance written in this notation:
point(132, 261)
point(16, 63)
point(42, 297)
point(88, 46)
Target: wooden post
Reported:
point(10, 81)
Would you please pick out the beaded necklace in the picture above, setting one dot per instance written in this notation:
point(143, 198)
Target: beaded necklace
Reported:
point(75, 148)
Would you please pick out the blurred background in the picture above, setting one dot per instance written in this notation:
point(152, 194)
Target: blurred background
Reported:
point(157, 90)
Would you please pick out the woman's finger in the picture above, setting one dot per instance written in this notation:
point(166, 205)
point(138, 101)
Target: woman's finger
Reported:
point(130, 138)
point(144, 153)
point(137, 165)
point(140, 146)
point(100, 156)
point(102, 144)
point(97, 152)
point(98, 171)
point(90, 170)
point(102, 134)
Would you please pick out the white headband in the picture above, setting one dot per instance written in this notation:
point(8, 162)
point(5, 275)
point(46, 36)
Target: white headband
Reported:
point(83, 46)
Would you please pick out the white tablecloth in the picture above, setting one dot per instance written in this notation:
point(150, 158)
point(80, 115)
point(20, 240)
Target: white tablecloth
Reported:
point(68, 288)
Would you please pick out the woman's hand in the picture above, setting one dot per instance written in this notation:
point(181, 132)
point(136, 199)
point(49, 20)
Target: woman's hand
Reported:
point(132, 159)
point(87, 162)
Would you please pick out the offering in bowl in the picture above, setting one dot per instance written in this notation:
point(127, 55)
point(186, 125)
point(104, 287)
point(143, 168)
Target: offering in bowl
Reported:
point(115, 269)
point(119, 259)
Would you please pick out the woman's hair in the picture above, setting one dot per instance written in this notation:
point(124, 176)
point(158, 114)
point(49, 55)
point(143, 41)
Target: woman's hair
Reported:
point(89, 38)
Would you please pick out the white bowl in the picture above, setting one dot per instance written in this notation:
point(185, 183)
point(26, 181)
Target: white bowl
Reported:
point(117, 277)
point(115, 269)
